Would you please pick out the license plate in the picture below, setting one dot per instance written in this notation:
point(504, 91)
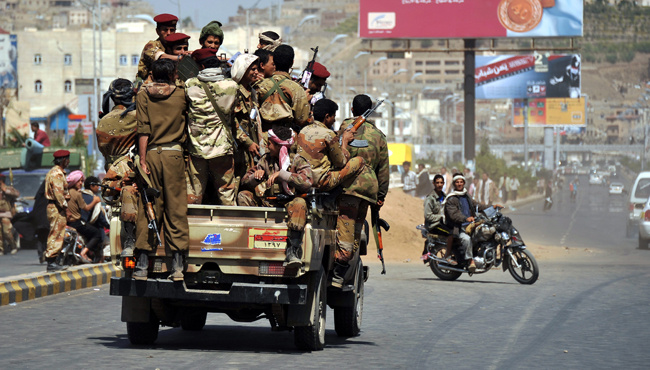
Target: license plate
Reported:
point(267, 238)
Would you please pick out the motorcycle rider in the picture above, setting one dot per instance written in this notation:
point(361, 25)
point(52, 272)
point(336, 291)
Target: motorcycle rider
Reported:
point(460, 212)
point(434, 218)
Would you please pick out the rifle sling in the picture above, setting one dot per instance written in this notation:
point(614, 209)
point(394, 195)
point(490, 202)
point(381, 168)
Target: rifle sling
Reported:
point(276, 87)
point(220, 113)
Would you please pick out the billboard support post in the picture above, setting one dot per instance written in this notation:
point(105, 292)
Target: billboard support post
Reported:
point(557, 148)
point(525, 110)
point(470, 96)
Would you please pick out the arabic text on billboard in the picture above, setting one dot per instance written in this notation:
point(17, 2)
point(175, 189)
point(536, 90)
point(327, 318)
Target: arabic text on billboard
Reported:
point(550, 112)
point(470, 18)
point(527, 76)
point(8, 61)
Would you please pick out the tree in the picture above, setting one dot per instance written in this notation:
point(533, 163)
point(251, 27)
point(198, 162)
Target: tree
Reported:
point(78, 138)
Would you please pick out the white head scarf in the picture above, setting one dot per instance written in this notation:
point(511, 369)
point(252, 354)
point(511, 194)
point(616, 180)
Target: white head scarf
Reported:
point(241, 65)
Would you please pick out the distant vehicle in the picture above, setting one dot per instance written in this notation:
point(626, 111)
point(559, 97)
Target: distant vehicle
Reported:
point(27, 183)
point(612, 170)
point(638, 199)
point(616, 188)
point(595, 179)
point(644, 226)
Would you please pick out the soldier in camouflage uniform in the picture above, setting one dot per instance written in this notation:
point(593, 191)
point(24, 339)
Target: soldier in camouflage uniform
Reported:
point(8, 195)
point(246, 114)
point(329, 159)
point(283, 102)
point(155, 49)
point(278, 172)
point(212, 130)
point(56, 192)
point(369, 188)
point(116, 136)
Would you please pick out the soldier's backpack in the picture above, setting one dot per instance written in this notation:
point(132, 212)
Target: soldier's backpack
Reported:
point(275, 104)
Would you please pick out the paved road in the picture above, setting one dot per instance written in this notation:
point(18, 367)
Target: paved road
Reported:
point(589, 310)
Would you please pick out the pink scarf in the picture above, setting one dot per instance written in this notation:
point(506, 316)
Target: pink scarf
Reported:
point(285, 160)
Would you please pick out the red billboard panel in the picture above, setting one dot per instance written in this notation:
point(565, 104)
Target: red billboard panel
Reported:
point(470, 18)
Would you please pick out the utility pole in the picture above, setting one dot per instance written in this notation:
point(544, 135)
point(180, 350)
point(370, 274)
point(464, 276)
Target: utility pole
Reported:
point(470, 100)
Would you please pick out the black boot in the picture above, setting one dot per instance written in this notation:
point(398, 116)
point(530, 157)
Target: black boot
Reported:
point(338, 274)
point(53, 265)
point(293, 252)
point(141, 266)
point(177, 267)
point(128, 236)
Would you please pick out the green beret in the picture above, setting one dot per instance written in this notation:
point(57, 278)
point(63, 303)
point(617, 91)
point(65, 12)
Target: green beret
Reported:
point(211, 29)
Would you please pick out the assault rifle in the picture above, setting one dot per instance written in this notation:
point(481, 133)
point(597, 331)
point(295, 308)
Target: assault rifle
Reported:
point(148, 195)
point(106, 187)
point(306, 73)
point(354, 126)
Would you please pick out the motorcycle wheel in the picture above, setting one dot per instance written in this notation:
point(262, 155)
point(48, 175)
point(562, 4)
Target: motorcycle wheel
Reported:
point(528, 266)
point(441, 272)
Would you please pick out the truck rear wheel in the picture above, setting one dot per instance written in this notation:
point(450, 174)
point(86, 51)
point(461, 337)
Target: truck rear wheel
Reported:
point(194, 320)
point(143, 333)
point(312, 337)
point(347, 320)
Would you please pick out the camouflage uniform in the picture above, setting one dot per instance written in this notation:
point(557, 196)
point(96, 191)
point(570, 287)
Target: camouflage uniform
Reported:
point(151, 52)
point(212, 141)
point(247, 129)
point(320, 146)
point(297, 100)
point(56, 192)
point(371, 185)
point(299, 178)
point(115, 137)
point(7, 198)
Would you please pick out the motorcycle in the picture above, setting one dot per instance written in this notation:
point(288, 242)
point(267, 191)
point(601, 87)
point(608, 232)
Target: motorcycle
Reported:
point(495, 243)
point(73, 244)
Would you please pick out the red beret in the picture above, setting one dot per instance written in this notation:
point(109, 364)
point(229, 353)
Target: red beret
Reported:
point(176, 37)
point(61, 153)
point(320, 70)
point(200, 54)
point(165, 18)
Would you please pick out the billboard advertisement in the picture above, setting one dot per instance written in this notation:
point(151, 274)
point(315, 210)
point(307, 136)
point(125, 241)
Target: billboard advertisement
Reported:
point(8, 61)
point(428, 19)
point(550, 112)
point(527, 76)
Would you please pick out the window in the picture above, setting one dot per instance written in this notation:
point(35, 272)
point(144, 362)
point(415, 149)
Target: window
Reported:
point(449, 81)
point(38, 86)
point(433, 81)
point(452, 62)
point(418, 62)
point(67, 59)
point(433, 71)
point(433, 62)
point(37, 59)
point(123, 60)
point(67, 86)
point(418, 71)
point(452, 72)
point(135, 59)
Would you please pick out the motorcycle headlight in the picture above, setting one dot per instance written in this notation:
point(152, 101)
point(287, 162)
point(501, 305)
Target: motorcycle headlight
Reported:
point(504, 236)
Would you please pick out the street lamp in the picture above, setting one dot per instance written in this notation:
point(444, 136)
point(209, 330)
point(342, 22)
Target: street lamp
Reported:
point(416, 74)
point(360, 54)
point(379, 60)
point(401, 70)
point(305, 19)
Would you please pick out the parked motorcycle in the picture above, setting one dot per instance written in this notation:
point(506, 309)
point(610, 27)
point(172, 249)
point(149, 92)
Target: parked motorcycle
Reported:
point(495, 243)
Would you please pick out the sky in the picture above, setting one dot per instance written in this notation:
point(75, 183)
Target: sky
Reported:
point(204, 11)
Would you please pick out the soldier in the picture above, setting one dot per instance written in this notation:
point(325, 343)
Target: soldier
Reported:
point(211, 36)
point(316, 82)
point(177, 44)
point(211, 99)
point(160, 112)
point(56, 192)
point(116, 137)
point(282, 101)
point(266, 62)
point(329, 159)
point(278, 172)
point(369, 187)
point(269, 40)
point(76, 205)
point(246, 112)
point(155, 49)
point(8, 196)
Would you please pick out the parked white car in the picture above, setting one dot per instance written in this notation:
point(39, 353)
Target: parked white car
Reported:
point(644, 226)
point(638, 200)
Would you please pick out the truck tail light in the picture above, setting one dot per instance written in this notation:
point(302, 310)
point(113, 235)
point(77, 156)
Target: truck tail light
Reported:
point(129, 263)
point(631, 207)
point(271, 269)
point(646, 215)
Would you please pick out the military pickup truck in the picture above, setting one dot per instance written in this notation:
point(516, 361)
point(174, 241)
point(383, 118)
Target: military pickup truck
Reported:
point(235, 266)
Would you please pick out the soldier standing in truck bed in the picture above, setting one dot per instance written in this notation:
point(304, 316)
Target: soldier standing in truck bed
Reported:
point(155, 49)
point(116, 137)
point(160, 111)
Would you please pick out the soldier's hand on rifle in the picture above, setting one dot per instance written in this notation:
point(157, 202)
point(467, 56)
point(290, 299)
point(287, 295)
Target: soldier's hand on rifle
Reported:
point(143, 164)
point(259, 174)
point(347, 136)
point(380, 203)
point(254, 149)
point(272, 179)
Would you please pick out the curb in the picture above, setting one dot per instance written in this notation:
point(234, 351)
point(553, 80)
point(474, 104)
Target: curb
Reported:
point(41, 285)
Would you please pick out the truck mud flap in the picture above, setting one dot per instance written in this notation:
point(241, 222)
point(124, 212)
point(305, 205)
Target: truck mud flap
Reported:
point(295, 294)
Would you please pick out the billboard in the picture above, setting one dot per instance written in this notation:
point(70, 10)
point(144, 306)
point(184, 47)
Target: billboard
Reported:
point(8, 61)
point(527, 76)
point(470, 18)
point(550, 112)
